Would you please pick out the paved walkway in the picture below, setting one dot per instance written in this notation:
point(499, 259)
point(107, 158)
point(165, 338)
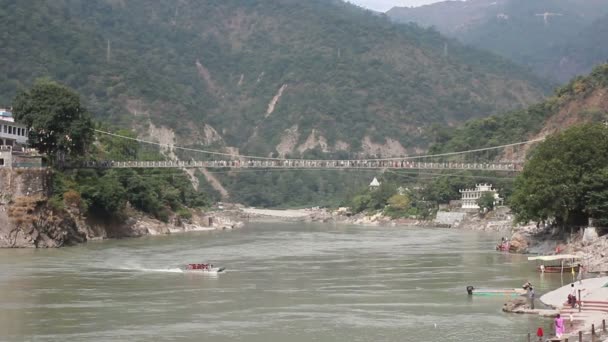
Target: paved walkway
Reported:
point(594, 296)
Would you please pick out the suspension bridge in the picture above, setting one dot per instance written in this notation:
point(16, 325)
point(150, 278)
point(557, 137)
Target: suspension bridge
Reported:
point(462, 160)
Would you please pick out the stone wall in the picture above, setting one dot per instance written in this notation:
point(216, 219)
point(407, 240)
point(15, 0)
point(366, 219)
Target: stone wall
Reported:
point(23, 182)
point(449, 218)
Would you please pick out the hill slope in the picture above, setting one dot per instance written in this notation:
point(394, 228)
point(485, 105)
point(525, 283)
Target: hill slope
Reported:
point(584, 99)
point(532, 33)
point(263, 76)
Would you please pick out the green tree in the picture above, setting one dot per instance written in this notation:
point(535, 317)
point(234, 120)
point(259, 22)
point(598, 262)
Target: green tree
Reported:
point(486, 201)
point(565, 178)
point(597, 197)
point(399, 202)
point(360, 202)
point(380, 196)
point(398, 206)
point(59, 125)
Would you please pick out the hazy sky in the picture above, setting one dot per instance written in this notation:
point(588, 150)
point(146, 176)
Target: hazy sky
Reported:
point(385, 5)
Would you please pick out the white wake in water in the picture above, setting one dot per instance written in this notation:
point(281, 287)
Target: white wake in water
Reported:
point(140, 268)
point(165, 270)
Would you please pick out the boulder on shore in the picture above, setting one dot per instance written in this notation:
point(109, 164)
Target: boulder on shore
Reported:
point(518, 244)
point(515, 305)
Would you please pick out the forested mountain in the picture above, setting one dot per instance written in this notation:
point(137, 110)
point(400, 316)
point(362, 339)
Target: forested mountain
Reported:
point(280, 77)
point(551, 36)
point(583, 100)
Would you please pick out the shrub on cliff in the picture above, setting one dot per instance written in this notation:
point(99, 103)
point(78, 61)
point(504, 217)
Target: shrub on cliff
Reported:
point(72, 198)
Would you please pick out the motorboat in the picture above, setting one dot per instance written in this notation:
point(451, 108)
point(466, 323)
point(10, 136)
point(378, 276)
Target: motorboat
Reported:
point(203, 268)
point(560, 263)
point(514, 292)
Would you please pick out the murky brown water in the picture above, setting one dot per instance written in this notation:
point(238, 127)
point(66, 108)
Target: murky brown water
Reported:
point(285, 282)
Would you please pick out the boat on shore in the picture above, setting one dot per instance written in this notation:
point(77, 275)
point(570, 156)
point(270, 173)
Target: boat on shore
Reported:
point(560, 263)
point(203, 268)
point(514, 292)
point(503, 247)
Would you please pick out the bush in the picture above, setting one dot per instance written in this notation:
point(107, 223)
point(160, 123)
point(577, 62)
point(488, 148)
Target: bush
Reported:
point(184, 213)
point(72, 198)
point(56, 204)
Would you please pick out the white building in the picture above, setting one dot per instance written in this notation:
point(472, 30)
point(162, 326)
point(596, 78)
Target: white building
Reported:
point(13, 140)
point(11, 133)
point(470, 196)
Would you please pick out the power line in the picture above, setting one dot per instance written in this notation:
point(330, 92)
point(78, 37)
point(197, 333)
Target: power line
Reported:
point(184, 148)
point(285, 159)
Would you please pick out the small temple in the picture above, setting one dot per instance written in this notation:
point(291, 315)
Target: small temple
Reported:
point(374, 184)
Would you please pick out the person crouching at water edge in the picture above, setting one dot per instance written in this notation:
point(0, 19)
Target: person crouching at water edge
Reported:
point(559, 326)
point(531, 295)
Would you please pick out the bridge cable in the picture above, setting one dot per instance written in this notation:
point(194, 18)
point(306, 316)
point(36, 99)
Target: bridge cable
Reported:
point(285, 159)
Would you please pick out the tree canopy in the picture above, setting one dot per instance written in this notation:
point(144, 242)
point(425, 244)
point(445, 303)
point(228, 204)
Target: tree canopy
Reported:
point(486, 201)
point(59, 125)
point(565, 178)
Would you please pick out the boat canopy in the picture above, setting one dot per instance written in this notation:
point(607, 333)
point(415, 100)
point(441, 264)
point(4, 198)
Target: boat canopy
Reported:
point(554, 257)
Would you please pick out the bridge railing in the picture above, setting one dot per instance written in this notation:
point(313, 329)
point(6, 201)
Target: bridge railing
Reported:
point(298, 164)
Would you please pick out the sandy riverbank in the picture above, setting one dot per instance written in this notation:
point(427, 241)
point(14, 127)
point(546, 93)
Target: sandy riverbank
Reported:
point(326, 216)
point(276, 213)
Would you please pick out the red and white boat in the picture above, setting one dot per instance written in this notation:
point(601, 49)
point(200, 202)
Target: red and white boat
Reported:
point(203, 268)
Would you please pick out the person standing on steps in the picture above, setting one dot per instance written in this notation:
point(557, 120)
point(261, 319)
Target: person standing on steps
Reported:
point(572, 296)
point(559, 326)
point(580, 274)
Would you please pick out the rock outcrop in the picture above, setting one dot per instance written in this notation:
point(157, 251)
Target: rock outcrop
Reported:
point(518, 244)
point(29, 220)
point(516, 305)
point(26, 219)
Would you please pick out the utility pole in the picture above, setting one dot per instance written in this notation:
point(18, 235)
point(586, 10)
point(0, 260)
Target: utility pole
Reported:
point(108, 52)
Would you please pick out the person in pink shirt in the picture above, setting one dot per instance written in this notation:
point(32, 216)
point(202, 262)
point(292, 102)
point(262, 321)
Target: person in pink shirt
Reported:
point(559, 326)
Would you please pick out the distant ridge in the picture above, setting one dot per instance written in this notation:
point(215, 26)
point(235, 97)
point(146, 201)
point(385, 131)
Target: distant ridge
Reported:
point(541, 34)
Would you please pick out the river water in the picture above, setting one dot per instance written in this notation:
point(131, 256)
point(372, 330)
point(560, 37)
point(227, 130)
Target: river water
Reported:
point(284, 282)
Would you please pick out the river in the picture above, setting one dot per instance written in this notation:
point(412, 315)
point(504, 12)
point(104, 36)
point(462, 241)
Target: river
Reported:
point(284, 282)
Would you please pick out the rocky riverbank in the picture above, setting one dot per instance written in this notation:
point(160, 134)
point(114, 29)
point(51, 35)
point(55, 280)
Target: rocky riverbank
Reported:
point(29, 219)
point(30, 222)
point(585, 242)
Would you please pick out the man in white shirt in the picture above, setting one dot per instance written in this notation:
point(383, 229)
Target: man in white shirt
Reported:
point(572, 299)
